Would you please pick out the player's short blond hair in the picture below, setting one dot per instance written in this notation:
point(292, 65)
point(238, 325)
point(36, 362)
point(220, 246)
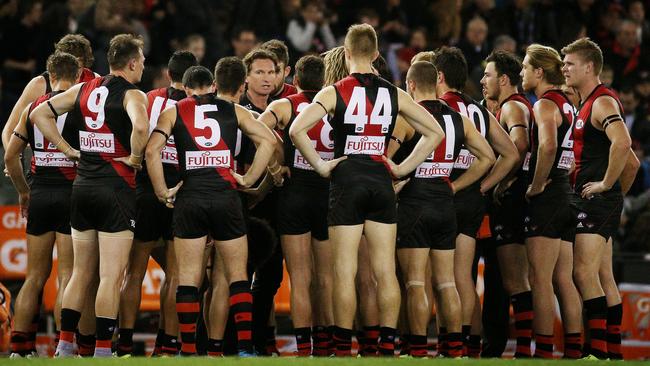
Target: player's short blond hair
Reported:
point(361, 41)
point(429, 56)
point(588, 51)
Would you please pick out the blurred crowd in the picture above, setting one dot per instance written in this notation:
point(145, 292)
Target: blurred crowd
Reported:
point(212, 29)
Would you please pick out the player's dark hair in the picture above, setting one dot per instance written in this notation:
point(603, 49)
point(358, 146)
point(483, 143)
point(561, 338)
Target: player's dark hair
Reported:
point(279, 49)
point(230, 74)
point(381, 66)
point(505, 63)
point(63, 66)
point(179, 63)
point(310, 72)
point(197, 77)
point(259, 54)
point(451, 62)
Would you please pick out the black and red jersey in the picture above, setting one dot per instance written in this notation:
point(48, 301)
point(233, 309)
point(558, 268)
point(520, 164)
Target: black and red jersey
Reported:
point(287, 90)
point(104, 132)
point(364, 116)
point(159, 100)
point(320, 136)
point(521, 98)
point(439, 164)
point(473, 110)
point(564, 153)
point(86, 75)
point(591, 145)
point(205, 133)
point(49, 166)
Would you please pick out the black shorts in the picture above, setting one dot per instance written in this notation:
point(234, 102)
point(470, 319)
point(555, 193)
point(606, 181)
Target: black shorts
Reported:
point(507, 219)
point(600, 215)
point(427, 221)
point(49, 210)
point(549, 214)
point(103, 208)
point(361, 190)
point(471, 207)
point(303, 209)
point(154, 219)
point(218, 214)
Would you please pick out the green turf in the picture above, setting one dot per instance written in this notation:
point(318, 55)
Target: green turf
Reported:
point(285, 361)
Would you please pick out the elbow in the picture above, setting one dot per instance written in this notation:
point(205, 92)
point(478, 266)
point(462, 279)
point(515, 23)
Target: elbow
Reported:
point(293, 132)
point(548, 148)
point(150, 153)
point(141, 129)
point(490, 159)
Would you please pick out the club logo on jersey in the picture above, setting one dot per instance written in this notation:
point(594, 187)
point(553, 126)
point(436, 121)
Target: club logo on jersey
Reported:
point(433, 170)
point(207, 159)
point(579, 124)
point(57, 159)
point(97, 142)
point(168, 155)
point(464, 159)
point(582, 215)
point(366, 145)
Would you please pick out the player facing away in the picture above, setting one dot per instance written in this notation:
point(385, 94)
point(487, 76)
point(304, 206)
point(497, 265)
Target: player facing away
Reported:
point(205, 132)
point(363, 109)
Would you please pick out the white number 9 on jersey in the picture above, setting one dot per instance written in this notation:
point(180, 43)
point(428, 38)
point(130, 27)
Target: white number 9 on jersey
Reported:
point(95, 104)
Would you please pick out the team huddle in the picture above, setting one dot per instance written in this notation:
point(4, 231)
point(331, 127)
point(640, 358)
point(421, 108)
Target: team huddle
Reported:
point(376, 194)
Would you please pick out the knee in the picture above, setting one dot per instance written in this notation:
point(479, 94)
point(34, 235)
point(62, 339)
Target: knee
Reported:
point(582, 276)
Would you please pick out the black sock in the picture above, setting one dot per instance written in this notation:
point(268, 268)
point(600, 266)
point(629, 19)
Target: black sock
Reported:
point(125, 342)
point(387, 341)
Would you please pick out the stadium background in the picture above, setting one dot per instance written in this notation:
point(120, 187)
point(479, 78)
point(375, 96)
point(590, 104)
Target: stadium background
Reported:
point(215, 28)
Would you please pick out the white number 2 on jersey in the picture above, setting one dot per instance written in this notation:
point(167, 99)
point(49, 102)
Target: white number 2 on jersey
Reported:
point(382, 112)
point(567, 141)
point(201, 122)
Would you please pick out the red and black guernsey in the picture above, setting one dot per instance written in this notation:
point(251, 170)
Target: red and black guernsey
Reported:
point(159, 100)
point(49, 166)
point(591, 145)
point(320, 136)
point(364, 116)
point(521, 98)
point(205, 133)
point(439, 164)
point(104, 132)
point(564, 153)
point(86, 75)
point(473, 110)
point(287, 90)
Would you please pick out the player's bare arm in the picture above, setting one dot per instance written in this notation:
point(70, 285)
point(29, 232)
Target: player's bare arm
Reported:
point(263, 138)
point(402, 132)
point(629, 172)
point(16, 145)
point(479, 147)
point(34, 89)
point(44, 118)
point(607, 116)
point(547, 117)
point(507, 151)
point(135, 104)
point(154, 147)
point(324, 103)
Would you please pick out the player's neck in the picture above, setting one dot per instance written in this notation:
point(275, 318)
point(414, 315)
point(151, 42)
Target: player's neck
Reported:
point(123, 74)
point(443, 89)
point(279, 91)
point(587, 87)
point(420, 96)
point(360, 66)
point(506, 92)
point(231, 98)
point(176, 85)
point(62, 85)
point(543, 87)
point(258, 100)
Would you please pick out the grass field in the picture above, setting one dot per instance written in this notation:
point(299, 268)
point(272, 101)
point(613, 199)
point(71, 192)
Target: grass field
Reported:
point(285, 361)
